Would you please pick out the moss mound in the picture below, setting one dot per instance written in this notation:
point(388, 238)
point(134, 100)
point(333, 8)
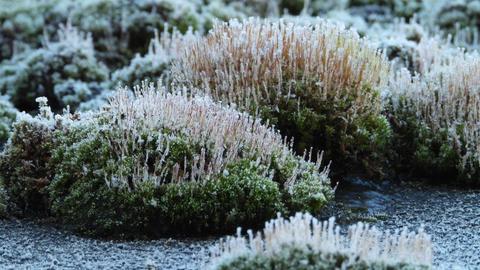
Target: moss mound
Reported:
point(435, 122)
point(66, 72)
point(303, 242)
point(319, 84)
point(156, 170)
point(292, 257)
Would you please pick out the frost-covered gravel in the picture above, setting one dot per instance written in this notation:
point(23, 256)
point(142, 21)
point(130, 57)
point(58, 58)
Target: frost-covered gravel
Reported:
point(452, 217)
point(24, 245)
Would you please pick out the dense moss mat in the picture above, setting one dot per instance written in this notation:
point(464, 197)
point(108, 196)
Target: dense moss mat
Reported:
point(117, 37)
point(422, 153)
point(85, 203)
point(292, 257)
point(241, 197)
point(66, 167)
point(26, 169)
point(353, 143)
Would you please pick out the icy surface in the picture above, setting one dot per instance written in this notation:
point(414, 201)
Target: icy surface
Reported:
point(24, 245)
point(450, 216)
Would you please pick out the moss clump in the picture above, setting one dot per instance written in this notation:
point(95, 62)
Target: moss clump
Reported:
point(310, 91)
point(66, 72)
point(116, 173)
point(304, 242)
point(361, 141)
point(25, 166)
point(82, 200)
point(292, 257)
point(419, 151)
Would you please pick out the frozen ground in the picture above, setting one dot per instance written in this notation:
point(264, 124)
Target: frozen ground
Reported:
point(24, 245)
point(452, 217)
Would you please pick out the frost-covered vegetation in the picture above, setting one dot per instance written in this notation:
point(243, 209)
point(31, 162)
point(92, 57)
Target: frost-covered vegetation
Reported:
point(251, 96)
point(436, 116)
point(303, 242)
point(120, 28)
point(8, 114)
point(64, 71)
point(157, 162)
point(319, 84)
point(155, 64)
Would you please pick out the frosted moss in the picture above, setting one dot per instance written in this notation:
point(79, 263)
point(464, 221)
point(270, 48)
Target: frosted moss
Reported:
point(319, 84)
point(65, 71)
point(157, 162)
point(303, 242)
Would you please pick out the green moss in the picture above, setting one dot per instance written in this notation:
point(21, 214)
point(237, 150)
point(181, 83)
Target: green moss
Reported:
point(82, 200)
point(309, 195)
point(421, 152)
point(239, 198)
point(25, 167)
point(293, 257)
point(100, 178)
point(92, 208)
point(309, 191)
point(360, 142)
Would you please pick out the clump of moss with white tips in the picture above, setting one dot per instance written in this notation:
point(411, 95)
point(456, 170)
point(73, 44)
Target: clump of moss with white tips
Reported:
point(66, 71)
point(303, 242)
point(318, 83)
point(153, 163)
point(434, 114)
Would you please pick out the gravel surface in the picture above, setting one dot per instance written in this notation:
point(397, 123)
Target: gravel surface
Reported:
point(452, 217)
point(24, 245)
